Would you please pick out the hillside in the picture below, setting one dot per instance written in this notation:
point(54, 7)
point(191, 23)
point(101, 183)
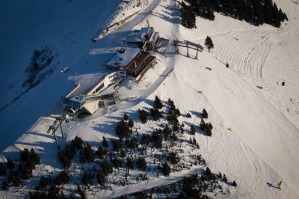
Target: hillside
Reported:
point(248, 97)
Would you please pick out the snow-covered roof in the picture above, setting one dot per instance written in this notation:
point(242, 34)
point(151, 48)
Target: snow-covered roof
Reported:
point(139, 36)
point(85, 84)
point(121, 60)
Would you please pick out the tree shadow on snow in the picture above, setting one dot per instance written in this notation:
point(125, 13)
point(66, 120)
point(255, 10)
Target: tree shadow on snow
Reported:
point(271, 185)
point(196, 114)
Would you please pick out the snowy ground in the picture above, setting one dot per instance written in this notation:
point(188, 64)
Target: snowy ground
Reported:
point(248, 97)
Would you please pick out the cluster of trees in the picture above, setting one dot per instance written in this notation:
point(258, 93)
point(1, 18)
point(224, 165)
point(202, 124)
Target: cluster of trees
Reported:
point(124, 127)
point(119, 153)
point(256, 12)
point(28, 161)
point(206, 127)
point(188, 19)
point(194, 186)
point(65, 156)
point(40, 60)
point(49, 188)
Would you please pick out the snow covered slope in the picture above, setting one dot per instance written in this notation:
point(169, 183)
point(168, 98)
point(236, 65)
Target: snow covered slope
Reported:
point(64, 26)
point(248, 97)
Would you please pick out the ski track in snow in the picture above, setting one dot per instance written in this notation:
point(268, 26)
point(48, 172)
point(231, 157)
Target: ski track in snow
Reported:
point(244, 50)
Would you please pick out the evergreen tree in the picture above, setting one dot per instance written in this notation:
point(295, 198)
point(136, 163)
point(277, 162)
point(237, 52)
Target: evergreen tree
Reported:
point(156, 114)
point(101, 152)
point(86, 154)
point(204, 113)
point(2, 169)
point(192, 130)
point(173, 158)
point(122, 153)
point(105, 142)
point(165, 169)
point(157, 103)
point(209, 43)
point(134, 143)
point(65, 161)
point(188, 19)
point(157, 139)
point(234, 184)
point(62, 178)
point(5, 186)
point(44, 182)
point(141, 163)
point(143, 115)
point(101, 177)
point(208, 172)
point(126, 117)
point(81, 192)
point(130, 123)
point(116, 162)
point(202, 125)
point(117, 145)
point(123, 130)
point(77, 143)
point(10, 164)
point(86, 178)
point(224, 178)
point(130, 163)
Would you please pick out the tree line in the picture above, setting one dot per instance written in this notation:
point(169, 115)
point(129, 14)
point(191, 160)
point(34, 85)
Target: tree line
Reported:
point(256, 12)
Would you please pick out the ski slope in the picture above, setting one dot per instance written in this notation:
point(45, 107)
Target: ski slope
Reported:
point(248, 97)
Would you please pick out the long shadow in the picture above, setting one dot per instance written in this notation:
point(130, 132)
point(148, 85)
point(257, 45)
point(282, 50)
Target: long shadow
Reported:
point(197, 114)
point(172, 11)
point(47, 151)
point(271, 185)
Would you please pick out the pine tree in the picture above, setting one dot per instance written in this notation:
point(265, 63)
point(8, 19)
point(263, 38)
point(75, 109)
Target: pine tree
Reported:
point(10, 164)
point(165, 169)
point(86, 154)
point(5, 186)
point(208, 172)
point(224, 178)
point(141, 163)
point(192, 130)
point(130, 123)
point(204, 113)
point(234, 184)
point(101, 152)
point(2, 169)
point(188, 19)
point(209, 43)
point(143, 115)
point(123, 130)
point(126, 117)
point(157, 103)
point(86, 178)
point(101, 177)
point(105, 142)
point(220, 175)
